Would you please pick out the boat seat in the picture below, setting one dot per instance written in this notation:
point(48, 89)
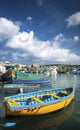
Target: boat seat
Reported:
point(13, 103)
point(37, 99)
point(64, 92)
point(55, 96)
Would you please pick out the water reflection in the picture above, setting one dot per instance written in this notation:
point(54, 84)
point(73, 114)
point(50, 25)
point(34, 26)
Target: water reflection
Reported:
point(44, 122)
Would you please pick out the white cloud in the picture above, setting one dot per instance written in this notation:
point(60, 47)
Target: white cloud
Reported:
point(73, 20)
point(33, 48)
point(19, 56)
point(59, 38)
point(22, 41)
point(47, 51)
point(76, 39)
point(8, 28)
point(29, 19)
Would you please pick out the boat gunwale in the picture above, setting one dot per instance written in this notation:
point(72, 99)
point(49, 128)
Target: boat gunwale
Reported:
point(39, 104)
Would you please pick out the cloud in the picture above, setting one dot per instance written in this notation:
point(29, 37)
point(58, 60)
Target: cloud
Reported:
point(21, 41)
point(25, 47)
point(19, 56)
point(8, 28)
point(59, 38)
point(76, 39)
point(46, 51)
point(29, 19)
point(73, 20)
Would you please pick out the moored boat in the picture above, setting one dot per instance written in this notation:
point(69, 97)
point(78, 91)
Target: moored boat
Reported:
point(46, 121)
point(9, 76)
point(33, 81)
point(20, 88)
point(38, 103)
point(18, 77)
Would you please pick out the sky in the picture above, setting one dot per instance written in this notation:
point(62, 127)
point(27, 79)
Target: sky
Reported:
point(40, 31)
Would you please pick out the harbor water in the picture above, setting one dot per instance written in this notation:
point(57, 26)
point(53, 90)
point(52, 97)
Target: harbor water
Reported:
point(66, 119)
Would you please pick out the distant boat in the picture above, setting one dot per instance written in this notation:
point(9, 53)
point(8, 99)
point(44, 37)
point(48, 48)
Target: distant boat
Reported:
point(38, 103)
point(15, 77)
point(78, 71)
point(74, 71)
point(20, 88)
point(50, 71)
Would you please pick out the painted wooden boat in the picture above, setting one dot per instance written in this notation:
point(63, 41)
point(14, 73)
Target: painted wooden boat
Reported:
point(44, 122)
point(38, 103)
point(33, 81)
point(9, 76)
point(13, 77)
point(20, 88)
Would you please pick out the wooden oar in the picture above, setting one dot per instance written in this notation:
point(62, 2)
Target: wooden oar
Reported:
point(8, 124)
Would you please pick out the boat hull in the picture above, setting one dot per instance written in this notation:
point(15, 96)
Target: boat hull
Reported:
point(11, 77)
point(24, 90)
point(34, 81)
point(17, 88)
point(46, 121)
point(39, 110)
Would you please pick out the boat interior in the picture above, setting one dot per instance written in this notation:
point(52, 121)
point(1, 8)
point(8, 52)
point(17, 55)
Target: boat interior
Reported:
point(39, 98)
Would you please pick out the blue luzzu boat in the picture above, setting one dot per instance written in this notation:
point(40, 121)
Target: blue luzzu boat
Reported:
point(33, 81)
point(12, 76)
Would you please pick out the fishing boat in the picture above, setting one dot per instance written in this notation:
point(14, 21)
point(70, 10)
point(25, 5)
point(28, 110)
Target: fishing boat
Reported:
point(12, 76)
point(44, 122)
point(38, 103)
point(33, 81)
point(8, 76)
point(20, 88)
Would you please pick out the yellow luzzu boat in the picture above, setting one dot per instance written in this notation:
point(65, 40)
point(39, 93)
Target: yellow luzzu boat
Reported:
point(38, 103)
point(44, 122)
